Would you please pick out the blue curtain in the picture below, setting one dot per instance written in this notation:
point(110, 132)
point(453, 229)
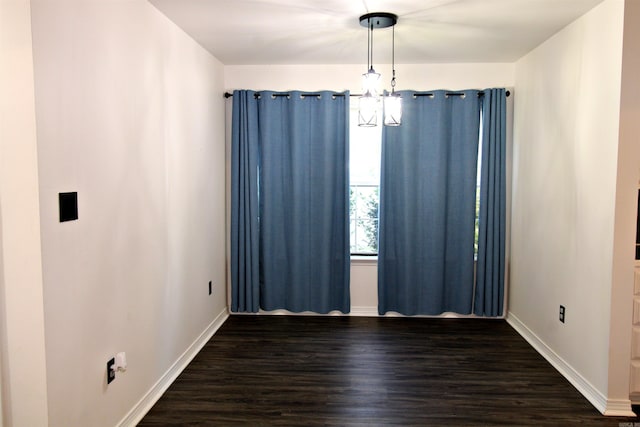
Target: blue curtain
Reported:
point(427, 205)
point(489, 297)
point(302, 188)
point(244, 204)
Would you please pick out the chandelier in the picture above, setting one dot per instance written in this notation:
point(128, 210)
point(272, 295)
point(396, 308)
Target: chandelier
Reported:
point(369, 102)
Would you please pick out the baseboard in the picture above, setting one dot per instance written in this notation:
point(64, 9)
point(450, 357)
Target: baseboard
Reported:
point(138, 412)
point(364, 311)
point(594, 396)
point(619, 408)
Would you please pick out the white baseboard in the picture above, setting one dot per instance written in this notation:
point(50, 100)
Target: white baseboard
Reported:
point(364, 311)
point(138, 412)
point(620, 408)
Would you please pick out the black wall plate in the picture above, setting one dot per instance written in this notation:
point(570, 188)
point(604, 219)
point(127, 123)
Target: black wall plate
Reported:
point(111, 374)
point(68, 206)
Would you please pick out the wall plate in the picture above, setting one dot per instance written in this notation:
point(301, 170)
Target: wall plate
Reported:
point(68, 203)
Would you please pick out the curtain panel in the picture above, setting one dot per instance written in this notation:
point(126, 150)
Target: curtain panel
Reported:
point(489, 294)
point(427, 205)
point(295, 165)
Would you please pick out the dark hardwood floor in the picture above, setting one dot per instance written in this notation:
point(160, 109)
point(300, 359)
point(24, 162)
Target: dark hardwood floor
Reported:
point(356, 371)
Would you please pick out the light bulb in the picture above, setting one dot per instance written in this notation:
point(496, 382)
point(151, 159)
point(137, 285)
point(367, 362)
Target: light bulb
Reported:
point(367, 110)
point(392, 110)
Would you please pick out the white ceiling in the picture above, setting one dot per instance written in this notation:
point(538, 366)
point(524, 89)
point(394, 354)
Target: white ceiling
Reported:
point(328, 31)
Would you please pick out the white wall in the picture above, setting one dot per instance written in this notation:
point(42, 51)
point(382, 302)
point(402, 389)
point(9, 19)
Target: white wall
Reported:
point(564, 195)
point(627, 184)
point(22, 341)
point(364, 279)
point(129, 114)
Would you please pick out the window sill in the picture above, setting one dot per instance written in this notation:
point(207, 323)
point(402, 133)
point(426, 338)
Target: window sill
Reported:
point(364, 259)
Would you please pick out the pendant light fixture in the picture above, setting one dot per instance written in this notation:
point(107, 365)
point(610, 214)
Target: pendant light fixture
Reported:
point(368, 103)
point(392, 101)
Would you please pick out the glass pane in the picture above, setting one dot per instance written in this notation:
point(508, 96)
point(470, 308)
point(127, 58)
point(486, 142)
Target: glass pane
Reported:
point(367, 203)
point(353, 191)
point(360, 245)
point(364, 152)
point(352, 235)
point(367, 232)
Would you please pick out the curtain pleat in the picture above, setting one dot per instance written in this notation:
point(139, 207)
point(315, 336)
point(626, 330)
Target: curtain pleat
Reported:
point(303, 239)
point(489, 296)
point(427, 206)
point(244, 204)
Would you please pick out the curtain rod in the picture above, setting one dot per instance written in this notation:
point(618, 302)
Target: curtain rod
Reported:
point(257, 94)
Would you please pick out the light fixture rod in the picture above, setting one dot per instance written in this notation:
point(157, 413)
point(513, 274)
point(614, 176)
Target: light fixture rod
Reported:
point(393, 48)
point(371, 50)
point(393, 59)
point(368, 47)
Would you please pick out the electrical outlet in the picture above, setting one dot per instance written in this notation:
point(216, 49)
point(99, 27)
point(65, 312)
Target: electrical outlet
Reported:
point(562, 310)
point(111, 374)
point(210, 287)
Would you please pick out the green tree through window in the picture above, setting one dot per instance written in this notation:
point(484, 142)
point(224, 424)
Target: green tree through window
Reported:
point(364, 219)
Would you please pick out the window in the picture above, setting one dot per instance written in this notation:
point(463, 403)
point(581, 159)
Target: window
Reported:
point(364, 169)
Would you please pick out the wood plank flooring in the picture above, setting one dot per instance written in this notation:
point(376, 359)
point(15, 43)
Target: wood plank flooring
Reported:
point(356, 371)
